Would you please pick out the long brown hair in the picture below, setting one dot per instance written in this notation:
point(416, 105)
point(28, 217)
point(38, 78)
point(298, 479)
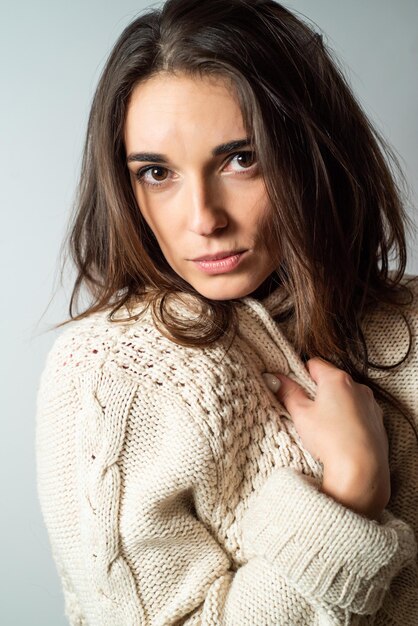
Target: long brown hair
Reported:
point(335, 185)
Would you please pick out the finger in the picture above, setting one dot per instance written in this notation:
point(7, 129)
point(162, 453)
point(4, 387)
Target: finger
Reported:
point(317, 363)
point(288, 392)
point(367, 390)
point(380, 412)
point(319, 368)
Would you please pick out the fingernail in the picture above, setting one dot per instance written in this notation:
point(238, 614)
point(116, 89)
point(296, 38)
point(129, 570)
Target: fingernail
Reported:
point(272, 382)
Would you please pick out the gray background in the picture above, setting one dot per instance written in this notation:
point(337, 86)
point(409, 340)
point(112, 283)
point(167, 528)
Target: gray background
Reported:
point(51, 54)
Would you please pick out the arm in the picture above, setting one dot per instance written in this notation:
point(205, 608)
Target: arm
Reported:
point(324, 549)
point(147, 551)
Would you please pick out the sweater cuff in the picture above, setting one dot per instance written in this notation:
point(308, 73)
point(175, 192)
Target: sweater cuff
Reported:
point(324, 549)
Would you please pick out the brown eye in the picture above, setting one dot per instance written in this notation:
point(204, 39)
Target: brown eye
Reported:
point(155, 173)
point(158, 170)
point(246, 159)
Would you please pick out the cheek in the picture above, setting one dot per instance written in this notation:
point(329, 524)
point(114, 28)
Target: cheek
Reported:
point(144, 208)
point(259, 220)
point(264, 232)
point(164, 229)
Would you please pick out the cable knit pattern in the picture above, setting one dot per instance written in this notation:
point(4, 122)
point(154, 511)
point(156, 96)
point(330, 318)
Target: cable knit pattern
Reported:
point(175, 488)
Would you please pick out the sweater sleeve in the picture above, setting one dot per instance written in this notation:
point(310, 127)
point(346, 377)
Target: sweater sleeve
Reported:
point(139, 546)
point(322, 548)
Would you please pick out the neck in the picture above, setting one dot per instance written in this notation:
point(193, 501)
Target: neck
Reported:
point(266, 287)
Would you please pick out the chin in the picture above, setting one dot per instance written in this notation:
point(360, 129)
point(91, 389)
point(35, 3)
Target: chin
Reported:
point(225, 292)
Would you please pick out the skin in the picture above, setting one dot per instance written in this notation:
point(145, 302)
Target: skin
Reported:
point(343, 428)
point(207, 204)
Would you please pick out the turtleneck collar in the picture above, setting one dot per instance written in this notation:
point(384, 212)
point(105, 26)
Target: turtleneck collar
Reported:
point(270, 294)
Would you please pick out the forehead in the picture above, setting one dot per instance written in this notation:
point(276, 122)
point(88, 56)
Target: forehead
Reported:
point(165, 105)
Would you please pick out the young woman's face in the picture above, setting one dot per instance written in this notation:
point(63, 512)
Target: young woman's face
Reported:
point(198, 198)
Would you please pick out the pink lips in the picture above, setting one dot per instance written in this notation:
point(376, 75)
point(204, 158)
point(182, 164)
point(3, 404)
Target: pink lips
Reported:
point(219, 255)
point(220, 266)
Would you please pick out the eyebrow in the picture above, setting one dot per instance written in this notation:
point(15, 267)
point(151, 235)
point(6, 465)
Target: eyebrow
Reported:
point(223, 148)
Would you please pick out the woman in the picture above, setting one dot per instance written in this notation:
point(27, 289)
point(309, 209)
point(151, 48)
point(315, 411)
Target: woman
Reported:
point(180, 482)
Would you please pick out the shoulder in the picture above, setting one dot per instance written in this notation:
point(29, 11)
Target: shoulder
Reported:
point(133, 349)
point(392, 341)
point(389, 331)
point(97, 342)
point(83, 345)
point(118, 361)
point(411, 281)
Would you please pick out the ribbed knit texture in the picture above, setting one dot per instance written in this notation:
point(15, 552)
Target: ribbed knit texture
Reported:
point(176, 490)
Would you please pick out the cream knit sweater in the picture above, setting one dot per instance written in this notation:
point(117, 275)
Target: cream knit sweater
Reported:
point(175, 490)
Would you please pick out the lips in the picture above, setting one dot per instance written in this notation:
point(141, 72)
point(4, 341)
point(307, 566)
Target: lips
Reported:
point(218, 255)
point(223, 265)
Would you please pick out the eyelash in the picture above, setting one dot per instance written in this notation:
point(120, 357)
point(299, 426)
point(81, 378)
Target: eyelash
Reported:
point(140, 174)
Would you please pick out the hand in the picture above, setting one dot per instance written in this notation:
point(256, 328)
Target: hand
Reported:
point(343, 429)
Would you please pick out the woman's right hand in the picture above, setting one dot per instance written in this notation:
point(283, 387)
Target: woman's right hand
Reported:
point(343, 429)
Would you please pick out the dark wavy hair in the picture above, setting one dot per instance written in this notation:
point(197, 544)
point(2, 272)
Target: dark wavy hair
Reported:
point(335, 186)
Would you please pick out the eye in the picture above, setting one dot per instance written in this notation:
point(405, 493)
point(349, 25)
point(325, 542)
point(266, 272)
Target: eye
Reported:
point(245, 159)
point(152, 169)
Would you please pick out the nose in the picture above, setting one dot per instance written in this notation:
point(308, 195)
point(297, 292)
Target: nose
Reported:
point(205, 216)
